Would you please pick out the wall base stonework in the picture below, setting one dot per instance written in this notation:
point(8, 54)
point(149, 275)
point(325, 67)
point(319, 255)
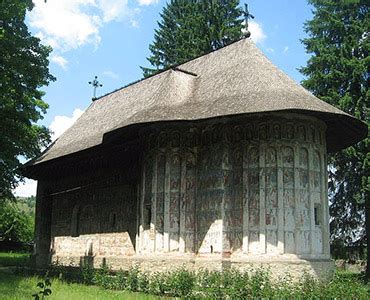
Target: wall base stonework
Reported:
point(294, 268)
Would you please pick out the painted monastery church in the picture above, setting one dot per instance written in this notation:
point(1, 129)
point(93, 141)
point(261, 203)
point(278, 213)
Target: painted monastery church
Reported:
point(218, 162)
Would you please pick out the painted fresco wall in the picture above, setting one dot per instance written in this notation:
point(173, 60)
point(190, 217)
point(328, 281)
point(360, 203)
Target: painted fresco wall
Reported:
point(249, 187)
point(252, 190)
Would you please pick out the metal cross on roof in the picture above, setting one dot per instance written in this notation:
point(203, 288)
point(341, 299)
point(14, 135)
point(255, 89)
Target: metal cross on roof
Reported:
point(247, 16)
point(95, 83)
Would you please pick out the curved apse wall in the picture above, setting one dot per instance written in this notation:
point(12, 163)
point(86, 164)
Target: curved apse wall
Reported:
point(255, 186)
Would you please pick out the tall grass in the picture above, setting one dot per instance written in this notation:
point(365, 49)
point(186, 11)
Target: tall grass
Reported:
point(229, 284)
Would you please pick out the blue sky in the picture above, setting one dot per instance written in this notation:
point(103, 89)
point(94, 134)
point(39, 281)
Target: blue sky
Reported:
point(110, 39)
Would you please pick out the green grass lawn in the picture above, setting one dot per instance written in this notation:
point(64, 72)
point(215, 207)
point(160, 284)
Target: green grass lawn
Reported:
point(14, 259)
point(22, 287)
point(18, 287)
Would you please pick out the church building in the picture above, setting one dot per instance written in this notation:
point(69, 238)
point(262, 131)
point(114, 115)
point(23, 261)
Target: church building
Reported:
point(218, 162)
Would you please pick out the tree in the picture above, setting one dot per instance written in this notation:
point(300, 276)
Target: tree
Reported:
point(190, 28)
point(16, 225)
point(338, 72)
point(24, 70)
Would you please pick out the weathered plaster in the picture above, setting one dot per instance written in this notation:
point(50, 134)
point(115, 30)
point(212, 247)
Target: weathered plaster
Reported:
point(233, 192)
point(256, 185)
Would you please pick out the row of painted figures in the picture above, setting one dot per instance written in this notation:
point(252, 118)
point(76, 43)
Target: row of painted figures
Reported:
point(213, 134)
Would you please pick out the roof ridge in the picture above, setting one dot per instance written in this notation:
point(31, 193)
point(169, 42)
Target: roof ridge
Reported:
point(174, 67)
point(184, 71)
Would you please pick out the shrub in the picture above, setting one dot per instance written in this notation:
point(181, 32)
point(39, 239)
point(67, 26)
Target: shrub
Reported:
point(143, 282)
point(347, 285)
point(209, 283)
point(121, 280)
point(132, 280)
point(180, 282)
point(229, 284)
point(260, 281)
point(310, 286)
point(87, 273)
point(236, 284)
point(104, 278)
point(158, 284)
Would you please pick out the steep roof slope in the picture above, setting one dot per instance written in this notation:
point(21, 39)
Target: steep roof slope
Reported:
point(236, 79)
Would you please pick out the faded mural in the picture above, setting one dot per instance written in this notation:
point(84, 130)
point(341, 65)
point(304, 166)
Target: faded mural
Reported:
point(255, 187)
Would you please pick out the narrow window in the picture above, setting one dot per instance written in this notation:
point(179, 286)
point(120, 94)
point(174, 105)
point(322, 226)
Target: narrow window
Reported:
point(317, 213)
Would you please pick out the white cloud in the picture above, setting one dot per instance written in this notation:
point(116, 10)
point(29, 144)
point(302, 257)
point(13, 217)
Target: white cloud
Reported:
point(63, 24)
point(271, 50)
point(286, 48)
point(112, 9)
point(257, 33)
point(59, 60)
point(62, 123)
point(110, 74)
point(134, 23)
point(69, 24)
point(147, 2)
point(26, 189)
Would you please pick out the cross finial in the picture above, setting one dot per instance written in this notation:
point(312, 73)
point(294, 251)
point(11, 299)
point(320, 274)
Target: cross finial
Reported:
point(247, 16)
point(95, 83)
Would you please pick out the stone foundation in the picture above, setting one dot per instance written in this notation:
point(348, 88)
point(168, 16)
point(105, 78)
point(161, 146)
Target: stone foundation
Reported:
point(279, 268)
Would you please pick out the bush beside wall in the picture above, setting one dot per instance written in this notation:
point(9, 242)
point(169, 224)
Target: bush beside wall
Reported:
point(229, 284)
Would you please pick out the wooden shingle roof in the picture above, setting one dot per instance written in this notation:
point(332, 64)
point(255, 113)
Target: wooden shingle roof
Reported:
point(237, 79)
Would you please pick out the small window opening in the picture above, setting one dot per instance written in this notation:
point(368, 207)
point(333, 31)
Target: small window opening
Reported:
point(211, 249)
point(317, 214)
